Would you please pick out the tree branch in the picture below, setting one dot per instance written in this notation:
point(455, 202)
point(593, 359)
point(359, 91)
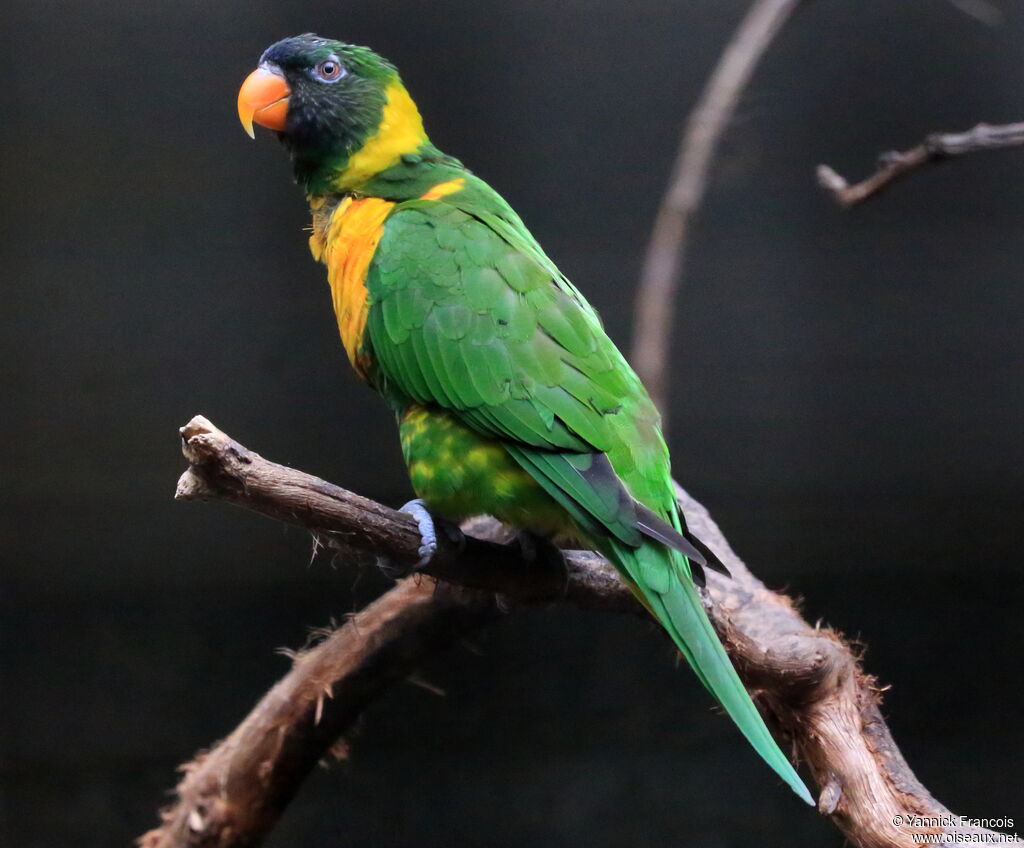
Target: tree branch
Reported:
point(808, 681)
point(666, 250)
point(234, 794)
point(896, 164)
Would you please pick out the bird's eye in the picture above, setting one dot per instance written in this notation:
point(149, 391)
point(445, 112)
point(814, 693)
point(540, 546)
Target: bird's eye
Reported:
point(329, 70)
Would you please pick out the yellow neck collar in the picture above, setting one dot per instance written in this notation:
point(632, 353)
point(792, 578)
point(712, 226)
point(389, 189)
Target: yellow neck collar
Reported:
point(401, 131)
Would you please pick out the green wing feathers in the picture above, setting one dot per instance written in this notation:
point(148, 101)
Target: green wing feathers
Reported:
point(468, 315)
point(446, 291)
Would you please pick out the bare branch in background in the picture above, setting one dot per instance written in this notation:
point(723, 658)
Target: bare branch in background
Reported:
point(666, 250)
point(808, 681)
point(896, 164)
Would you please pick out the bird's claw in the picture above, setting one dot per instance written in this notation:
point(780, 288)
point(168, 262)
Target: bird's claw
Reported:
point(538, 550)
point(428, 531)
point(428, 527)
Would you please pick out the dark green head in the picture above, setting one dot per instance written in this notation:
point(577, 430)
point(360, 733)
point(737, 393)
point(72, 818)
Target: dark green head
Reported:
point(340, 110)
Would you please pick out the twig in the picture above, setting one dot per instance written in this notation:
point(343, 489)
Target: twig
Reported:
point(895, 164)
point(808, 681)
point(666, 250)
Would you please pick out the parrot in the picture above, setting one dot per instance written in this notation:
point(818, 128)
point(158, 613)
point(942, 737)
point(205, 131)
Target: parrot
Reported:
point(510, 399)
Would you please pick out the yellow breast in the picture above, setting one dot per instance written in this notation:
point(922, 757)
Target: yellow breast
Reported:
point(345, 243)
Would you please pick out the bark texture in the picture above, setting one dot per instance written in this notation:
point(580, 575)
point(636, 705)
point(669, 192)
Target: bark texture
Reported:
point(808, 681)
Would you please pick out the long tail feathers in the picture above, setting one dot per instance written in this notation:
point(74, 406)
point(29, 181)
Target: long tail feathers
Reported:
point(677, 607)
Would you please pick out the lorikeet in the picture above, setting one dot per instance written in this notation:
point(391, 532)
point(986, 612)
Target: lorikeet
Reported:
point(511, 400)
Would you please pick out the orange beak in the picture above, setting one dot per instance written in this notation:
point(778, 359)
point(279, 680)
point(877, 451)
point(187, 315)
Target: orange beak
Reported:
point(263, 100)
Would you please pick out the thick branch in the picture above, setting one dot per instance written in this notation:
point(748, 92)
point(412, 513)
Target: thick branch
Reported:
point(666, 250)
point(807, 679)
point(896, 164)
point(235, 793)
point(222, 469)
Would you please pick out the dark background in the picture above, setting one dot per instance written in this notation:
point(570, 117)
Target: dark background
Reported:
point(847, 401)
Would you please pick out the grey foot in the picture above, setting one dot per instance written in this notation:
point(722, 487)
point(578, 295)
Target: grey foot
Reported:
point(428, 530)
point(428, 527)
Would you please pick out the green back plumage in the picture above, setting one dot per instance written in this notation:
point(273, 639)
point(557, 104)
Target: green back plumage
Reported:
point(468, 314)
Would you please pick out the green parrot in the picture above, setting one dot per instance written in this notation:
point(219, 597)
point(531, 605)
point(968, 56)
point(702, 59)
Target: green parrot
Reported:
point(510, 398)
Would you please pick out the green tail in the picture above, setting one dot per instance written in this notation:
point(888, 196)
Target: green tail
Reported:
point(677, 607)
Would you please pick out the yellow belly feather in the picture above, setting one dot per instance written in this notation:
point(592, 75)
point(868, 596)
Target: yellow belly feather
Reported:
point(345, 239)
point(346, 245)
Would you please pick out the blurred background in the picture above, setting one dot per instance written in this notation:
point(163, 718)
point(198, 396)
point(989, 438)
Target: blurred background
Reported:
point(847, 401)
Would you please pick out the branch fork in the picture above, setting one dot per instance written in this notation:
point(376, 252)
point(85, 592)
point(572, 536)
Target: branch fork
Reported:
point(807, 680)
point(896, 164)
